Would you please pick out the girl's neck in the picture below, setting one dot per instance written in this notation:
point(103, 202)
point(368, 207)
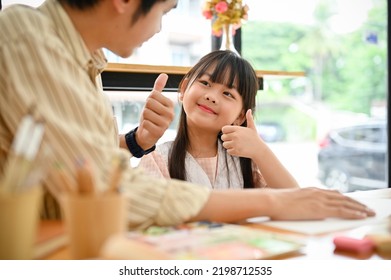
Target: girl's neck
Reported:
point(202, 145)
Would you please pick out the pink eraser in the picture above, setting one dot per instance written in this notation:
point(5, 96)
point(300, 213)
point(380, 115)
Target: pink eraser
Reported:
point(345, 243)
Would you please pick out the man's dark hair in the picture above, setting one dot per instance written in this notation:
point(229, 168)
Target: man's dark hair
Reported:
point(80, 4)
point(144, 8)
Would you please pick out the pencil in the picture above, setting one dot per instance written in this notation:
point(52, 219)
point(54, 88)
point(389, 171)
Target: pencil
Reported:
point(119, 165)
point(85, 179)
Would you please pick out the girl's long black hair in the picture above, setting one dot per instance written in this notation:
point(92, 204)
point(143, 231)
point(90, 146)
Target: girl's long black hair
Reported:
point(228, 69)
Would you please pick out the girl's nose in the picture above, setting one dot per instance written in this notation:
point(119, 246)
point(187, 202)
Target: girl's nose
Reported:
point(209, 98)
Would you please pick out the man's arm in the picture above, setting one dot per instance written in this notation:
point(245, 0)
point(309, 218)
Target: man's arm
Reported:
point(287, 204)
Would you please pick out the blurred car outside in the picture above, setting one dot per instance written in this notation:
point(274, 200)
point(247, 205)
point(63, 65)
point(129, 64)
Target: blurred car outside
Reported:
point(271, 131)
point(354, 157)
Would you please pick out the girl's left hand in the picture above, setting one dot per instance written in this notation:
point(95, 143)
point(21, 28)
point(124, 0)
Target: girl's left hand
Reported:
point(241, 141)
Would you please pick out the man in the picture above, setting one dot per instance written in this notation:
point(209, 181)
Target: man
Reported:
point(50, 60)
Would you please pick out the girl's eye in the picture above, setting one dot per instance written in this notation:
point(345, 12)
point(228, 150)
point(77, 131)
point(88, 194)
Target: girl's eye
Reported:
point(226, 93)
point(205, 83)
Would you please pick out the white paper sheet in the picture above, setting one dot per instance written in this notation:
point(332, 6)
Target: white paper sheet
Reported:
point(382, 207)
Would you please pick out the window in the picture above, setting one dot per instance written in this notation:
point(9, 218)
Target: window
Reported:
point(344, 56)
point(341, 45)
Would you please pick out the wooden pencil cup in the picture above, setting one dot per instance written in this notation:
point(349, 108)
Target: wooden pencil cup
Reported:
point(19, 219)
point(90, 220)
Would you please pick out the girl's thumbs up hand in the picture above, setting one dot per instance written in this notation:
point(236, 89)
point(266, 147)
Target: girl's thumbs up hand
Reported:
point(250, 119)
point(241, 141)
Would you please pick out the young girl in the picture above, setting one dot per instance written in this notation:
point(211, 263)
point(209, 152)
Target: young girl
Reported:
point(217, 144)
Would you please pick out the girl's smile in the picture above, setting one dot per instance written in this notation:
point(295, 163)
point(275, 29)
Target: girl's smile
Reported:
point(206, 109)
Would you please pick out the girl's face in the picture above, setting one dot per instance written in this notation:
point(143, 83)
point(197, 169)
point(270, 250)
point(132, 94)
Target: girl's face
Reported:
point(211, 105)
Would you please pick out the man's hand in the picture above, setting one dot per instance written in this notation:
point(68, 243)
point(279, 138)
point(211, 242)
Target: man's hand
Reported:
point(315, 204)
point(156, 116)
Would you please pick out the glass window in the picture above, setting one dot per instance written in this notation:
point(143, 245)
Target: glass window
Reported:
point(340, 45)
point(127, 106)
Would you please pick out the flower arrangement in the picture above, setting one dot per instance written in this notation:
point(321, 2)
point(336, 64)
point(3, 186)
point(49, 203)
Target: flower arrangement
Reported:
point(225, 12)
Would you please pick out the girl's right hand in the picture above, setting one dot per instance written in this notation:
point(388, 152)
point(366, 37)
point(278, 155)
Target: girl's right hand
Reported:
point(241, 141)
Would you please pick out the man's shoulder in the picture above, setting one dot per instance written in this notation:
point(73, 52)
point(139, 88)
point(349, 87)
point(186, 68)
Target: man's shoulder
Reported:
point(21, 13)
point(19, 20)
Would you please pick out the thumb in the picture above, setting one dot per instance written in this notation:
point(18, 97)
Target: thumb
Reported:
point(160, 82)
point(250, 119)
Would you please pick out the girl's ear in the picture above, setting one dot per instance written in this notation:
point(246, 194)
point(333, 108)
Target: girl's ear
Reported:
point(241, 118)
point(182, 89)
